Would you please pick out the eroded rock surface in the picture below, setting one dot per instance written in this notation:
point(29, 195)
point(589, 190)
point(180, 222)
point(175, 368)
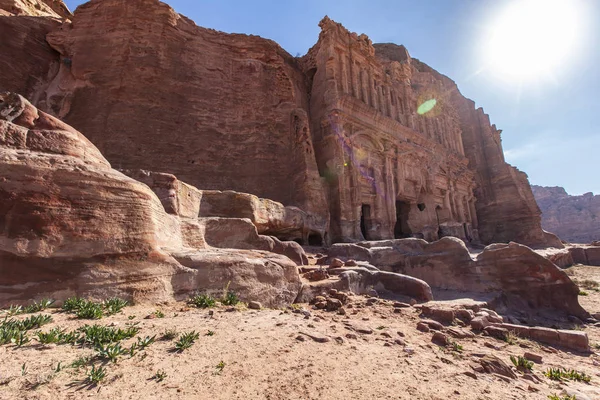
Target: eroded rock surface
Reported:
point(520, 278)
point(72, 225)
point(36, 8)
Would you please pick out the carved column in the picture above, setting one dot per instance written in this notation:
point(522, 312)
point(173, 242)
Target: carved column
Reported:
point(364, 86)
point(343, 73)
point(380, 99)
point(474, 220)
point(354, 71)
point(390, 103)
point(372, 91)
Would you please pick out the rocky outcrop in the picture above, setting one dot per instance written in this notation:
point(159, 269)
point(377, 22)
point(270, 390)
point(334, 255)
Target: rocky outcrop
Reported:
point(339, 133)
point(269, 217)
point(519, 278)
point(36, 8)
point(72, 225)
point(575, 219)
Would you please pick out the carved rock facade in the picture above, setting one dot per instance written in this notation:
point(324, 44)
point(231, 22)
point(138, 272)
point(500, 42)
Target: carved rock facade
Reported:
point(368, 141)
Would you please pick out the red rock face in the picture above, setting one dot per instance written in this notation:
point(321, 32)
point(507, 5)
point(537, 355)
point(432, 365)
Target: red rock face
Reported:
point(337, 133)
point(575, 219)
point(159, 93)
point(72, 225)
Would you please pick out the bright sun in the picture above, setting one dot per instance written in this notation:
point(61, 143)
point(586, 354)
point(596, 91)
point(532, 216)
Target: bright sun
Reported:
point(531, 39)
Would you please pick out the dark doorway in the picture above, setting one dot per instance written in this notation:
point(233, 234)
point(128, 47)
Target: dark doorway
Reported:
point(402, 230)
point(314, 239)
point(365, 220)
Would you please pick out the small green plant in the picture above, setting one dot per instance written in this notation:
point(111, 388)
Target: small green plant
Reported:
point(81, 362)
point(24, 369)
point(35, 321)
point(220, 367)
point(186, 340)
point(96, 375)
point(89, 310)
point(96, 335)
point(522, 363)
point(58, 367)
point(169, 334)
point(14, 310)
point(381, 327)
point(565, 397)
point(160, 375)
point(230, 299)
point(72, 304)
point(557, 374)
point(202, 301)
point(210, 333)
point(110, 351)
point(20, 339)
point(36, 307)
point(131, 317)
point(457, 347)
point(159, 314)
point(583, 293)
point(145, 342)
point(511, 338)
point(52, 336)
point(114, 305)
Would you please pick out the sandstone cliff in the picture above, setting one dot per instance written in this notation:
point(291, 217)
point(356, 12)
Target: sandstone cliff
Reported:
point(574, 219)
point(337, 133)
point(35, 8)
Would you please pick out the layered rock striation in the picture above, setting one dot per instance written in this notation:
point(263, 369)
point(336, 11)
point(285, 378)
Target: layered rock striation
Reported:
point(367, 141)
point(72, 225)
point(575, 219)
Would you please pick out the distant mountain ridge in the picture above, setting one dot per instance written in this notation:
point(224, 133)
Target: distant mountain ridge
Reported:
point(575, 219)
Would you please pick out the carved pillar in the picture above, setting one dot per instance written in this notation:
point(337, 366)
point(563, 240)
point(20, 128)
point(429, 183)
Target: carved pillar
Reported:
point(364, 86)
point(380, 99)
point(354, 72)
point(372, 91)
point(343, 73)
point(390, 103)
point(474, 220)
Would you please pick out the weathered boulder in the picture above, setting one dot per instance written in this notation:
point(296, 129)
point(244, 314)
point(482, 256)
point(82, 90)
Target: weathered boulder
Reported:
point(72, 225)
point(573, 340)
point(269, 278)
point(270, 217)
point(177, 197)
point(520, 278)
point(362, 280)
point(240, 233)
point(562, 258)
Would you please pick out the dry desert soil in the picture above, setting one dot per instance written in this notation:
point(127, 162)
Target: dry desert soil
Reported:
point(372, 352)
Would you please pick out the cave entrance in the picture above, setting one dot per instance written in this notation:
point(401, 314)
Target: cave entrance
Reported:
point(365, 220)
point(314, 239)
point(401, 229)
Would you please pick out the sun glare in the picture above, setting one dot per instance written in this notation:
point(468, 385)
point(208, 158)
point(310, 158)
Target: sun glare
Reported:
point(531, 39)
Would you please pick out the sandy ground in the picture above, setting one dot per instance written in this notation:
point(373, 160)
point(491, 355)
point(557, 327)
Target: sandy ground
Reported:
point(262, 358)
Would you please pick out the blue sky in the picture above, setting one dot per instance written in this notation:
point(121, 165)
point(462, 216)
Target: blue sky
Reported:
point(551, 126)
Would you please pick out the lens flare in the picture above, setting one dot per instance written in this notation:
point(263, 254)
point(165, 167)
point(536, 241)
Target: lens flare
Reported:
point(534, 37)
point(426, 106)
